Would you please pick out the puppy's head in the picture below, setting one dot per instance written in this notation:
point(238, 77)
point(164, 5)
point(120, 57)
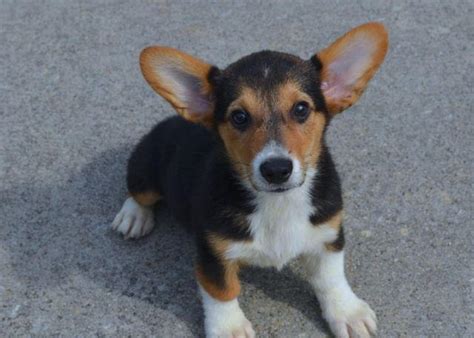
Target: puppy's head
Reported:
point(270, 109)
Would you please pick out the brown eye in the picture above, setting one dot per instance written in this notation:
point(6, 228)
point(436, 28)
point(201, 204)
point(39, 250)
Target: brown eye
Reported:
point(240, 119)
point(300, 111)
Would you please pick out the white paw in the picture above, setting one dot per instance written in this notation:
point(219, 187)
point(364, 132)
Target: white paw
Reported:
point(225, 319)
point(236, 329)
point(350, 318)
point(133, 220)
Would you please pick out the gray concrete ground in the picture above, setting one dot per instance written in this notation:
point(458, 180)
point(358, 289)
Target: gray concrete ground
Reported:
point(73, 103)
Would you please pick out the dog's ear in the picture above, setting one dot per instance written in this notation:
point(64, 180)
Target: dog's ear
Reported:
point(349, 63)
point(183, 80)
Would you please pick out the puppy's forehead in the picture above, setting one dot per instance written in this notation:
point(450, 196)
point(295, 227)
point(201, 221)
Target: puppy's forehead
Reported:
point(264, 72)
point(264, 68)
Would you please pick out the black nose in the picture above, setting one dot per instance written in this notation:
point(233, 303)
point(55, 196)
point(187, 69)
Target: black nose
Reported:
point(276, 170)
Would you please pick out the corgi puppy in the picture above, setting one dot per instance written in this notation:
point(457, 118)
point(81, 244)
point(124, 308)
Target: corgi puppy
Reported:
point(245, 166)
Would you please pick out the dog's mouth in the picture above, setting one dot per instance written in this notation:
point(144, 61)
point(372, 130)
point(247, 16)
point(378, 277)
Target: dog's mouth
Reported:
point(278, 189)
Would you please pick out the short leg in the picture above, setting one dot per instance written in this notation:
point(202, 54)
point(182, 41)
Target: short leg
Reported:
point(135, 219)
point(219, 286)
point(346, 314)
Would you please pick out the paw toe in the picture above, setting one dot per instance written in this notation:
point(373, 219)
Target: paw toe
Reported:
point(357, 329)
point(135, 229)
point(241, 329)
point(244, 331)
point(133, 220)
point(340, 330)
point(125, 226)
point(149, 224)
point(117, 220)
point(371, 324)
point(355, 321)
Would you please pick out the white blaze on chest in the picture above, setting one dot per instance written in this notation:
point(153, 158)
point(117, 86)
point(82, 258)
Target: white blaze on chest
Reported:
point(281, 229)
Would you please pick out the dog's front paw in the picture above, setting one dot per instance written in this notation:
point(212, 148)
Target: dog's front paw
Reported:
point(240, 328)
point(350, 318)
point(225, 319)
point(133, 220)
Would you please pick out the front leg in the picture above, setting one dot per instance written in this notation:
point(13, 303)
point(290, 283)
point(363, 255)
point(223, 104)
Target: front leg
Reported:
point(219, 286)
point(346, 314)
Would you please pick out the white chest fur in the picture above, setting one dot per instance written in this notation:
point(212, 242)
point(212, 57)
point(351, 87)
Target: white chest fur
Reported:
point(281, 229)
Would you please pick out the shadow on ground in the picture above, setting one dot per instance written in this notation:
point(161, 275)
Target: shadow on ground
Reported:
point(64, 232)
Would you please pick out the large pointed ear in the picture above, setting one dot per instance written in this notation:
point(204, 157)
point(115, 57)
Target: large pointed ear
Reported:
point(183, 80)
point(349, 63)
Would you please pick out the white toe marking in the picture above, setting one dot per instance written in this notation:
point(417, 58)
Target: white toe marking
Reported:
point(224, 319)
point(133, 220)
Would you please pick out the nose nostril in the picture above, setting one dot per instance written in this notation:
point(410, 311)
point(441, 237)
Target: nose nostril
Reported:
point(276, 170)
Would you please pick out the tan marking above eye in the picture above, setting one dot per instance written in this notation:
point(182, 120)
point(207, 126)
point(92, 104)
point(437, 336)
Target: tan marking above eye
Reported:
point(289, 94)
point(250, 101)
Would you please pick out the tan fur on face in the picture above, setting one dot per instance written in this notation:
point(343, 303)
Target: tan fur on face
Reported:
point(303, 140)
point(242, 147)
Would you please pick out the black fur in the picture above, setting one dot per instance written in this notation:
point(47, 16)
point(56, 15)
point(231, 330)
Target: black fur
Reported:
point(186, 163)
point(326, 193)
